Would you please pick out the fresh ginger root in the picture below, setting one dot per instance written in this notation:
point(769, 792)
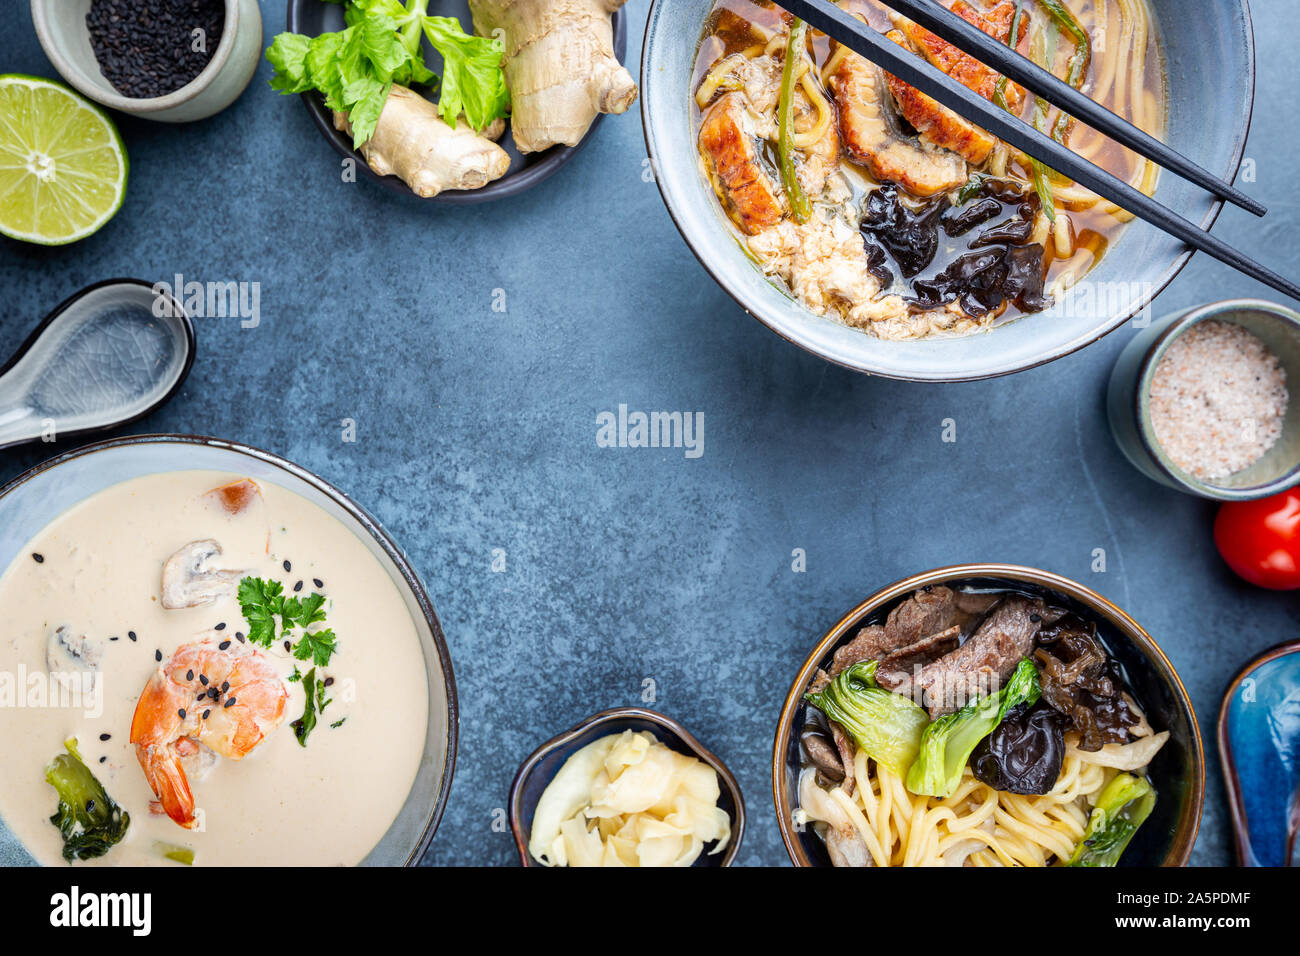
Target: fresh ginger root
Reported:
point(560, 66)
point(412, 142)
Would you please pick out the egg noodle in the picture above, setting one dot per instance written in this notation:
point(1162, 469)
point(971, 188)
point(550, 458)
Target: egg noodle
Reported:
point(976, 825)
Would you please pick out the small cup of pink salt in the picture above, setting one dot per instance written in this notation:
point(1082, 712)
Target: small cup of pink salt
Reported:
point(1201, 402)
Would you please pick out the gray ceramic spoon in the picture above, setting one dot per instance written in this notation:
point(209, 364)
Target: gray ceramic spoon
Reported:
point(112, 353)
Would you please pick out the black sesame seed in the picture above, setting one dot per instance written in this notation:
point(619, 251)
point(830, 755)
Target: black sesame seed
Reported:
point(220, 627)
point(131, 634)
point(223, 645)
point(318, 582)
point(230, 701)
point(105, 736)
point(38, 557)
point(203, 679)
point(205, 714)
point(298, 586)
point(189, 675)
point(202, 694)
point(112, 638)
point(90, 805)
point(329, 682)
point(157, 655)
point(144, 47)
point(225, 686)
point(288, 566)
point(1035, 618)
point(102, 759)
point(213, 693)
point(288, 646)
point(182, 713)
point(239, 636)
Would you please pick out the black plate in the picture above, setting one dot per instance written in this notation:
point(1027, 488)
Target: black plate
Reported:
point(314, 17)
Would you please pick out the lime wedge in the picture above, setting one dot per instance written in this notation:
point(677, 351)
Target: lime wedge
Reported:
point(62, 164)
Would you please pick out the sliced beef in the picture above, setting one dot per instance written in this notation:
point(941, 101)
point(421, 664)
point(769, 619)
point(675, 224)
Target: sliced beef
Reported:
point(819, 682)
point(976, 603)
point(986, 660)
point(924, 651)
point(926, 612)
point(871, 644)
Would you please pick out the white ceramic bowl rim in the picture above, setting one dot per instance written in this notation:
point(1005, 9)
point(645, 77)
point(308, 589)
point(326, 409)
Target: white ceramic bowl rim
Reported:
point(1146, 372)
point(367, 523)
point(824, 337)
point(108, 94)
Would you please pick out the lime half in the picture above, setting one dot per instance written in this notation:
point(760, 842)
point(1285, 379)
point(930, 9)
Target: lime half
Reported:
point(62, 163)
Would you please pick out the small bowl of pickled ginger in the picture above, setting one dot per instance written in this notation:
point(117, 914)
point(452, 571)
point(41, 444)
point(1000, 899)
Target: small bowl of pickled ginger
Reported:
point(626, 787)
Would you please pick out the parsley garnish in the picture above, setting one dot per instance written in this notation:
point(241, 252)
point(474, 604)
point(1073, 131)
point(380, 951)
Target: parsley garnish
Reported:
point(318, 645)
point(262, 601)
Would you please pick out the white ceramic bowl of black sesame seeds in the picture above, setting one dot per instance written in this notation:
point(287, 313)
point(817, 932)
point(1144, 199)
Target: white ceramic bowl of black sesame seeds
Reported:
point(156, 59)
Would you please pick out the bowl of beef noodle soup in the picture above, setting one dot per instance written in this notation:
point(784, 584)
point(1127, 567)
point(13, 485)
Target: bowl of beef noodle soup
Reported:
point(988, 715)
point(868, 224)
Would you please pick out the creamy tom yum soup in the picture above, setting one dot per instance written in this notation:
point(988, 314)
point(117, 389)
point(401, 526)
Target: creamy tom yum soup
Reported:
point(199, 668)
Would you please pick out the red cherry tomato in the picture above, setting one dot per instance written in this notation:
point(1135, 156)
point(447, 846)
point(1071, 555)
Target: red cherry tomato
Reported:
point(1260, 540)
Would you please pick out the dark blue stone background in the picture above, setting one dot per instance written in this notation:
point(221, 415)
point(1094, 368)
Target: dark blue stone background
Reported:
point(476, 430)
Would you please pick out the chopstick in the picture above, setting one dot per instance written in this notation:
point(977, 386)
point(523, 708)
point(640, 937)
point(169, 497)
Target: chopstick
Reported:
point(863, 40)
point(1000, 56)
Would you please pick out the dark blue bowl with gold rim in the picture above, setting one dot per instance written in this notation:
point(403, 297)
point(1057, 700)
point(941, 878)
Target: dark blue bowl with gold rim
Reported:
point(545, 762)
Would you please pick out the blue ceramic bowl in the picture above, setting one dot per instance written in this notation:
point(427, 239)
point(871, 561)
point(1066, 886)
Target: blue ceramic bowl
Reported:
point(1210, 64)
point(35, 498)
point(1259, 743)
point(545, 762)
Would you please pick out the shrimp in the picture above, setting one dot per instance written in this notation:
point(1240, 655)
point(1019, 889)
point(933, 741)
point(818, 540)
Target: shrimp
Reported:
point(227, 700)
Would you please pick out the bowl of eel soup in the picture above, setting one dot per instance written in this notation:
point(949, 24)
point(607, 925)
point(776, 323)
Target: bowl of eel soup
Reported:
point(865, 224)
point(988, 715)
point(212, 657)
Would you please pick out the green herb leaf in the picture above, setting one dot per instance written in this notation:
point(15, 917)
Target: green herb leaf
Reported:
point(89, 820)
point(304, 725)
point(355, 68)
point(473, 82)
point(260, 601)
point(288, 54)
point(318, 645)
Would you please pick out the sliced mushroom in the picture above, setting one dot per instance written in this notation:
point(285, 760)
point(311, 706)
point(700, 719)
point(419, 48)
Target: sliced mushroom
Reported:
point(823, 755)
point(186, 580)
point(69, 655)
